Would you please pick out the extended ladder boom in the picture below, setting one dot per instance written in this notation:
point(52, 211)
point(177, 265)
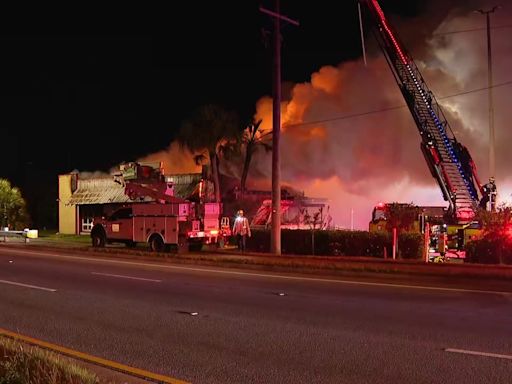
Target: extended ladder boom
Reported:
point(448, 160)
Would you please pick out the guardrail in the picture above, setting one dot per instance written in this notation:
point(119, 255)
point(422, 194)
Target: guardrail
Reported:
point(26, 234)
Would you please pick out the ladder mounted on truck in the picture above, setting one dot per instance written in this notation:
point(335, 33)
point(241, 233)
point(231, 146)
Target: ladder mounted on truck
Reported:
point(448, 160)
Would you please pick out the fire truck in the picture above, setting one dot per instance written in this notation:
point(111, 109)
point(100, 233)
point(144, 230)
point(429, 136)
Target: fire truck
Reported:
point(448, 160)
point(453, 236)
point(297, 212)
point(166, 221)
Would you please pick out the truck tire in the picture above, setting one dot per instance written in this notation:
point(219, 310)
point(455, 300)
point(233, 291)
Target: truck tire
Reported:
point(156, 243)
point(98, 239)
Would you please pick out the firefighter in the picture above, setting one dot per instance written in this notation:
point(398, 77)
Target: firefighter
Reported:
point(489, 195)
point(442, 243)
point(241, 230)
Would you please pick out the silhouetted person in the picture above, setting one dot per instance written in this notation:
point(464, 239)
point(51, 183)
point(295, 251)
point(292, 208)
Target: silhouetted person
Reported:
point(241, 230)
point(489, 194)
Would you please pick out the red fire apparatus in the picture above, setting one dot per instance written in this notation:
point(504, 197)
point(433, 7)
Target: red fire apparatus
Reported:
point(164, 223)
point(448, 160)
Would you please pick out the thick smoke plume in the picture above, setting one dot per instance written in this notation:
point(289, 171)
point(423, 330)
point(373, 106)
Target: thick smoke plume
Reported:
point(342, 140)
point(176, 159)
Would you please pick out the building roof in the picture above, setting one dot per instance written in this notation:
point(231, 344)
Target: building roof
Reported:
point(185, 185)
point(104, 190)
point(99, 191)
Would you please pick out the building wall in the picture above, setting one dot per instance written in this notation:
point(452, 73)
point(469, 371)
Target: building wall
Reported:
point(67, 213)
point(87, 214)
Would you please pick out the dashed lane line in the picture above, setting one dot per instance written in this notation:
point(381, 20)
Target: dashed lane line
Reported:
point(27, 285)
point(477, 353)
point(125, 277)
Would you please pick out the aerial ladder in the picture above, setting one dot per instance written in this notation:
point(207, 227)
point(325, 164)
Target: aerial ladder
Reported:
point(448, 160)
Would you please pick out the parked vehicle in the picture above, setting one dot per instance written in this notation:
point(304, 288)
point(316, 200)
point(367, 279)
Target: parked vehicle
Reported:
point(166, 222)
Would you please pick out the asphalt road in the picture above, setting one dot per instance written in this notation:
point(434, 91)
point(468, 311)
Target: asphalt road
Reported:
point(256, 327)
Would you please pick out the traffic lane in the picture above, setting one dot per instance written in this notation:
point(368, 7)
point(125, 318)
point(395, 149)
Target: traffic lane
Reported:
point(71, 275)
point(414, 282)
point(296, 311)
point(435, 280)
point(191, 290)
point(216, 348)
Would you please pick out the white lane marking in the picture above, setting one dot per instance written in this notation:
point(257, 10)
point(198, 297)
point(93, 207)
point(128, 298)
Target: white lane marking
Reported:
point(364, 283)
point(27, 286)
point(125, 277)
point(464, 351)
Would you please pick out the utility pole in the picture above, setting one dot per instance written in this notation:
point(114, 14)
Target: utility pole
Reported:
point(275, 235)
point(492, 156)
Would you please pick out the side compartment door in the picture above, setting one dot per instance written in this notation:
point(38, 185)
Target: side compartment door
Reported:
point(171, 230)
point(139, 229)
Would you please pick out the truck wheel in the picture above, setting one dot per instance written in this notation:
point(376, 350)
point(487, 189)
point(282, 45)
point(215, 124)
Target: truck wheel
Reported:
point(156, 244)
point(98, 239)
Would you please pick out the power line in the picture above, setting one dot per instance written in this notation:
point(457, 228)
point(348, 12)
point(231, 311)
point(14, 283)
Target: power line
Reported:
point(354, 115)
point(470, 30)
point(476, 90)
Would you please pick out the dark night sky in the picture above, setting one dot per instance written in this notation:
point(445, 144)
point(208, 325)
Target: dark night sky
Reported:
point(89, 100)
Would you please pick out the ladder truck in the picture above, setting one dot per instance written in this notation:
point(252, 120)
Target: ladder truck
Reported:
point(449, 161)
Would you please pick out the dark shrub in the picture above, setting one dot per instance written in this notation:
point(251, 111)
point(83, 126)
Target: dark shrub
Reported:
point(410, 245)
point(338, 243)
point(487, 251)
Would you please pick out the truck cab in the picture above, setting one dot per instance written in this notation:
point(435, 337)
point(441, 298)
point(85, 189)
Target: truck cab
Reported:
point(118, 226)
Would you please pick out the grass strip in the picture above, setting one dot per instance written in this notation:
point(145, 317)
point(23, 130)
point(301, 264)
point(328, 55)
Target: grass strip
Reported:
point(21, 364)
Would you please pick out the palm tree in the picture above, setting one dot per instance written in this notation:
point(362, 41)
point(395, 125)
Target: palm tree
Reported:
point(209, 134)
point(252, 138)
